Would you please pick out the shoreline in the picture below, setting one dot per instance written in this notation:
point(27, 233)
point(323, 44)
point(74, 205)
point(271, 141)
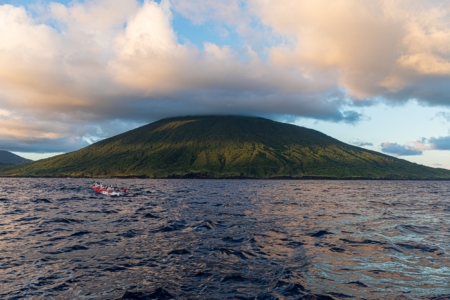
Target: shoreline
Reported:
point(183, 177)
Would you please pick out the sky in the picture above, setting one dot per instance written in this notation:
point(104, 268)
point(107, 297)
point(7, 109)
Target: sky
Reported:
point(375, 74)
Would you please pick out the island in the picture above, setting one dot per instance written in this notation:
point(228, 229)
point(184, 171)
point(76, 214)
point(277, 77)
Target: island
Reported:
point(224, 147)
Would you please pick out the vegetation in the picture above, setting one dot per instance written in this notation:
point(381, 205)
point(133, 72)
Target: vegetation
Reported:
point(225, 147)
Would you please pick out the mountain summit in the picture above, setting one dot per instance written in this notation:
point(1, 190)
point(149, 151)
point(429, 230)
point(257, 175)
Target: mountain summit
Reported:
point(226, 147)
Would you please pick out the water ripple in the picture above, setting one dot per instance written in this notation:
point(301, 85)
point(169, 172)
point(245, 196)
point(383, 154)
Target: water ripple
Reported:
point(224, 239)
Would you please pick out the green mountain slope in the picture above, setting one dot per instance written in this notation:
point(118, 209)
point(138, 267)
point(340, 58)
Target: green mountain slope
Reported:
point(225, 146)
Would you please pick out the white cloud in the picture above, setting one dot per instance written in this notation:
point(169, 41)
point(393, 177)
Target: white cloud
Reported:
point(370, 48)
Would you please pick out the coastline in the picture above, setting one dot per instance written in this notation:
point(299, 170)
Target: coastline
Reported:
point(275, 178)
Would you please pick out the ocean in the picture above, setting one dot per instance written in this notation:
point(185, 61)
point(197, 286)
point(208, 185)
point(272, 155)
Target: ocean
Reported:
point(225, 239)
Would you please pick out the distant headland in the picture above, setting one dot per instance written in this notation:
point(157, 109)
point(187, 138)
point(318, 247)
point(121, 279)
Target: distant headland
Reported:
point(8, 158)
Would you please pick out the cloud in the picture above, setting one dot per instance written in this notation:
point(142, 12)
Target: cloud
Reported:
point(440, 143)
point(201, 11)
point(444, 115)
point(80, 72)
point(392, 49)
point(92, 62)
point(417, 147)
point(399, 150)
point(361, 143)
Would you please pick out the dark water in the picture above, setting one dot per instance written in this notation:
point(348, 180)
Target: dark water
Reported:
point(225, 239)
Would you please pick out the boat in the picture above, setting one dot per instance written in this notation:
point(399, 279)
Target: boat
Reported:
point(108, 189)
